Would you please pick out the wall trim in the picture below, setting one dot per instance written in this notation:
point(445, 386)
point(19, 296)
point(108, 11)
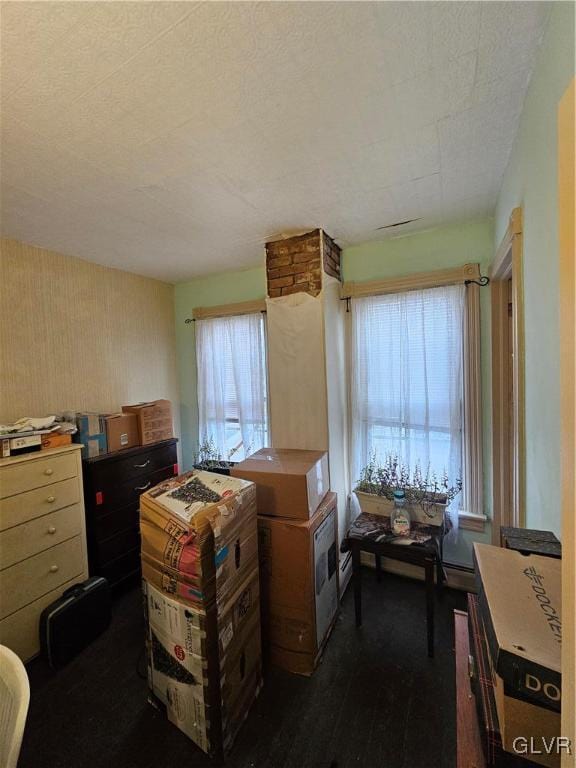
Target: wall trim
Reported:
point(458, 576)
point(419, 281)
point(508, 432)
point(227, 310)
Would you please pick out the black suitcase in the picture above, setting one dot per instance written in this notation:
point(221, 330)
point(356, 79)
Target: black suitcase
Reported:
point(70, 623)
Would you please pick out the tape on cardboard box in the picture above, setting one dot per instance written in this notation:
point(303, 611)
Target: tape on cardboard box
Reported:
point(187, 625)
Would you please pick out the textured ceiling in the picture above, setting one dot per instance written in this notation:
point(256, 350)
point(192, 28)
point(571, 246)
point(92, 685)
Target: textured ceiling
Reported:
point(173, 138)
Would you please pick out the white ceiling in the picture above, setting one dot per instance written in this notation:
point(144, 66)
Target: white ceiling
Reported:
point(173, 138)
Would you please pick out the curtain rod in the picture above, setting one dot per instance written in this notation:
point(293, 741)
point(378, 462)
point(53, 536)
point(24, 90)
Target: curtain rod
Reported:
point(482, 281)
point(193, 319)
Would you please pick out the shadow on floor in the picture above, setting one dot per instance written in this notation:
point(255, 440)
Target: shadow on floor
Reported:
point(376, 701)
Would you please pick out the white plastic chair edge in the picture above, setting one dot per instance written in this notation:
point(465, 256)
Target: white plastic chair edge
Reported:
point(17, 672)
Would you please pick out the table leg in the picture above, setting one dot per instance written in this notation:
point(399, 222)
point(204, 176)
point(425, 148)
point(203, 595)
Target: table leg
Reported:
point(439, 575)
point(357, 579)
point(429, 571)
point(378, 559)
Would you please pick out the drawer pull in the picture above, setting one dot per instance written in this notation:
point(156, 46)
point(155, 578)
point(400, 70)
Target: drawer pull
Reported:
point(51, 499)
point(49, 471)
point(53, 568)
point(51, 530)
point(141, 466)
point(143, 487)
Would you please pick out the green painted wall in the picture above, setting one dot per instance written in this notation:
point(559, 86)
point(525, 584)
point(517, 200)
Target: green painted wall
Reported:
point(440, 248)
point(209, 291)
point(434, 249)
point(530, 181)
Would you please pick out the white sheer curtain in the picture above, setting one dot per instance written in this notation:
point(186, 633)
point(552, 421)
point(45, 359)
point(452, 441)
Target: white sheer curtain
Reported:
point(406, 384)
point(232, 392)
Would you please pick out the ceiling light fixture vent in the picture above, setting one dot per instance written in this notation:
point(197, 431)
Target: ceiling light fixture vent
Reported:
point(398, 224)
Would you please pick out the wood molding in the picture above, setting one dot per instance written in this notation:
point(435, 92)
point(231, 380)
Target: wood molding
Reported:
point(456, 578)
point(227, 310)
point(468, 522)
point(567, 270)
point(508, 436)
point(472, 411)
point(415, 282)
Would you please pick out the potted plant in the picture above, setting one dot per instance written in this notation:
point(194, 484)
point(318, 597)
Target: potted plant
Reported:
point(208, 458)
point(427, 494)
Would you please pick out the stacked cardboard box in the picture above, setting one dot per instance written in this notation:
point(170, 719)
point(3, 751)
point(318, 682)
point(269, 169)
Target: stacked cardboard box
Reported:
point(201, 583)
point(522, 627)
point(297, 525)
point(154, 420)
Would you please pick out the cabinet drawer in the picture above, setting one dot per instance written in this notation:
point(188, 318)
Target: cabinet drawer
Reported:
point(21, 630)
point(106, 526)
point(26, 506)
point(122, 568)
point(107, 474)
point(30, 579)
point(35, 536)
point(117, 546)
point(127, 490)
point(36, 473)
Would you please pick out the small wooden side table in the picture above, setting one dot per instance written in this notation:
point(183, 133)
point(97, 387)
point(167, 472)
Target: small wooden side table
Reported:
point(371, 533)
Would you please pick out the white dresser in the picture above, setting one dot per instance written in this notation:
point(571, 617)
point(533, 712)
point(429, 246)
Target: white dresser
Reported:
point(42, 539)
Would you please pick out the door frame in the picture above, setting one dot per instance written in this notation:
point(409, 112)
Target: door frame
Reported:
point(508, 430)
point(567, 274)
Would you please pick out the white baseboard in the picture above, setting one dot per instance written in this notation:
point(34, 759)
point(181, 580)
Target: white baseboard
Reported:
point(457, 578)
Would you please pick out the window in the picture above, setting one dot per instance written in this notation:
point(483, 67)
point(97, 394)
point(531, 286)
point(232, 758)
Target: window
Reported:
point(232, 391)
point(411, 384)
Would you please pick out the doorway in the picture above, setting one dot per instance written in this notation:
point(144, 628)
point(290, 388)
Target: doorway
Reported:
point(508, 380)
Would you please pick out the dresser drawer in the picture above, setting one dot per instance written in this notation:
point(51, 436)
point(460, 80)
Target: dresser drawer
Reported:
point(107, 474)
point(35, 536)
point(127, 490)
point(36, 473)
point(109, 550)
point(106, 526)
point(26, 506)
point(21, 630)
point(122, 568)
point(30, 579)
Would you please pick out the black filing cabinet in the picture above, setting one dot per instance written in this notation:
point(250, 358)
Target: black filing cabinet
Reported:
point(113, 483)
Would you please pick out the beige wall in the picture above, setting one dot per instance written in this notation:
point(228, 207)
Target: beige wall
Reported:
point(75, 335)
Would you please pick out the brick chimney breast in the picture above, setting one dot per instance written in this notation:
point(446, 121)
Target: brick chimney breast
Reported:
point(297, 264)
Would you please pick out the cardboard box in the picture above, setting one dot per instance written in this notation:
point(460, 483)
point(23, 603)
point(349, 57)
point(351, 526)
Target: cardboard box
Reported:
point(205, 667)
point(92, 434)
point(121, 431)
point(290, 483)
point(483, 687)
point(199, 550)
point(154, 420)
point(55, 440)
point(299, 582)
point(523, 621)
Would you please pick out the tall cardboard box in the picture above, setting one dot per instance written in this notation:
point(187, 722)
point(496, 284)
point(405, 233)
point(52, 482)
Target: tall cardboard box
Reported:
point(523, 629)
point(299, 584)
point(154, 420)
point(201, 582)
point(290, 483)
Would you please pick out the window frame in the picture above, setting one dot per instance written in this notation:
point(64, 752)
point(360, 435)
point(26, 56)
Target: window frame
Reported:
point(236, 310)
point(471, 516)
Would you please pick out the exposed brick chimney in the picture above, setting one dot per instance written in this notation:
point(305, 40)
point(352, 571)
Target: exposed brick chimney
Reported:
point(297, 264)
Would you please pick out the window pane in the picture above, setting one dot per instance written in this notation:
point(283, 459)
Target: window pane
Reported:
point(232, 396)
point(407, 379)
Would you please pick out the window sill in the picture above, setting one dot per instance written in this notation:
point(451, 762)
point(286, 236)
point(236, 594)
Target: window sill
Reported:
point(470, 522)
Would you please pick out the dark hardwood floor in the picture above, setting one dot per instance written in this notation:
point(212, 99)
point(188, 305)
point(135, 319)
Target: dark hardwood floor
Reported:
point(376, 701)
